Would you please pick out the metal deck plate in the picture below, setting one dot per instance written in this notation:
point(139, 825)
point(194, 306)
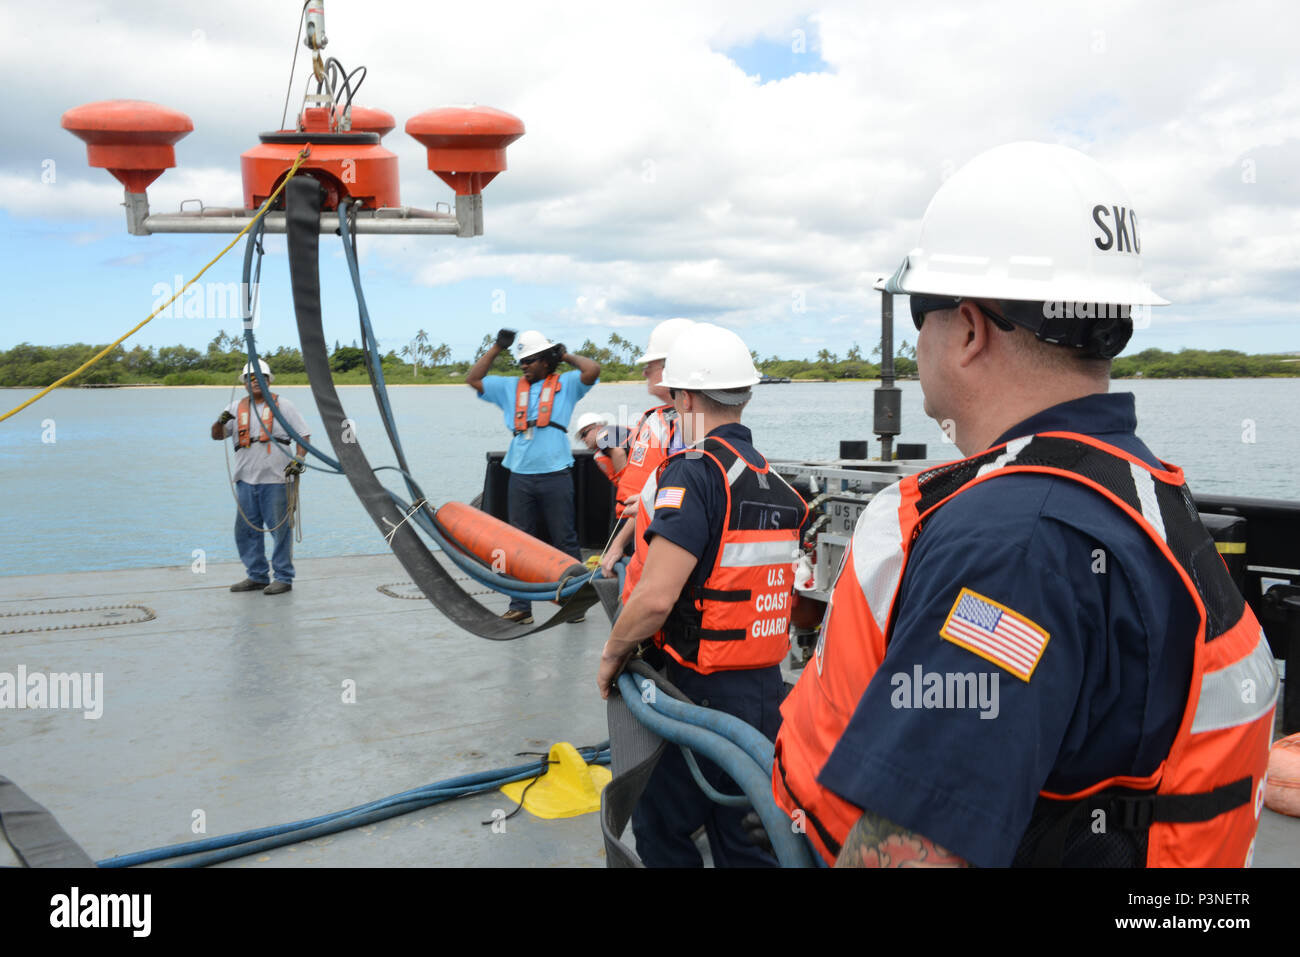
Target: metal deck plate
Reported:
point(232, 705)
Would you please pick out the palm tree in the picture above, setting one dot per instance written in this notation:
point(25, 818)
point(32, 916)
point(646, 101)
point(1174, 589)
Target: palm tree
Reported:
point(417, 350)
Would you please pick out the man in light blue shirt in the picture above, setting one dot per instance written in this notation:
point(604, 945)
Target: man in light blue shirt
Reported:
point(537, 407)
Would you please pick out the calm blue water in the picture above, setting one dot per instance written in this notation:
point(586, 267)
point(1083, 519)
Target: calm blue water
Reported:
point(132, 478)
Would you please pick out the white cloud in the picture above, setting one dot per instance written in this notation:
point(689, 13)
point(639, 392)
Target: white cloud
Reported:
point(658, 178)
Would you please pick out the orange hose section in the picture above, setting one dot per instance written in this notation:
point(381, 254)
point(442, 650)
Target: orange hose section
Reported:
point(505, 548)
point(1282, 793)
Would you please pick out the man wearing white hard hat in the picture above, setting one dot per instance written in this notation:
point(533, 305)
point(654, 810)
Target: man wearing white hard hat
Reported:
point(1033, 655)
point(537, 407)
point(717, 531)
point(607, 442)
point(263, 471)
point(654, 436)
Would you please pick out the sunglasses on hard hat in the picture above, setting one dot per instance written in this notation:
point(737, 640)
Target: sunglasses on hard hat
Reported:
point(924, 305)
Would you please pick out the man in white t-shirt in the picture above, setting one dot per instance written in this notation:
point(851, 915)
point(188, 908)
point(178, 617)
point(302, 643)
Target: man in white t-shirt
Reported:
point(263, 467)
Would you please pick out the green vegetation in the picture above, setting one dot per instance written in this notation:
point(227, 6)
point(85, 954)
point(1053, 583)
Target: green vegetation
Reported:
point(421, 363)
point(1200, 364)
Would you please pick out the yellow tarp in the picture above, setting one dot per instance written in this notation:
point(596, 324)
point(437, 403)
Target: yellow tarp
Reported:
point(569, 787)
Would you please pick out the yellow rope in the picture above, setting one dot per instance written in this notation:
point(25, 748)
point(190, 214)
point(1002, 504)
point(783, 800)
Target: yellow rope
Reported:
point(302, 155)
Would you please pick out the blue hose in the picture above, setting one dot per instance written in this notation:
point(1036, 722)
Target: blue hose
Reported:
point(524, 591)
point(512, 588)
point(400, 803)
point(729, 726)
point(790, 849)
point(253, 240)
point(710, 792)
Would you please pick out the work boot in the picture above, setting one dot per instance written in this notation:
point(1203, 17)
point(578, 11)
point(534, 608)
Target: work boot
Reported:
point(277, 588)
point(249, 585)
point(518, 617)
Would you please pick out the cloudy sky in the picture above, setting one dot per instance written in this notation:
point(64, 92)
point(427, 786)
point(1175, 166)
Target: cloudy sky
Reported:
point(752, 162)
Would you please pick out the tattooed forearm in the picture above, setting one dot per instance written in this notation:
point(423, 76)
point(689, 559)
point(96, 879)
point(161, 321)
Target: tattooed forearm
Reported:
point(876, 841)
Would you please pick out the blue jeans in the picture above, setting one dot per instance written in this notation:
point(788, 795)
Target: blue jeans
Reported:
point(537, 502)
point(673, 806)
point(264, 505)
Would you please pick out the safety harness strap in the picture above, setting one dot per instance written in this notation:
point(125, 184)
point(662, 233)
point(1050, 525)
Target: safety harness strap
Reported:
point(1138, 812)
point(549, 425)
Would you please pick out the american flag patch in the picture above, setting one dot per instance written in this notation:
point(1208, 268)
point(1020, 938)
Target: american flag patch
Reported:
point(995, 633)
point(670, 497)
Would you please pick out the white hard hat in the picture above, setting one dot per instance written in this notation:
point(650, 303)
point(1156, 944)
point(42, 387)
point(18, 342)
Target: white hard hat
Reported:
point(706, 357)
point(1031, 222)
point(261, 364)
point(529, 343)
point(662, 337)
point(589, 418)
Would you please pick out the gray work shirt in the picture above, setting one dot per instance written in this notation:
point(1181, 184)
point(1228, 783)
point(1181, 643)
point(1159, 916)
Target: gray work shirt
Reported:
point(254, 464)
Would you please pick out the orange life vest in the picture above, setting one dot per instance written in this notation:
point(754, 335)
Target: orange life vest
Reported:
point(651, 440)
point(606, 465)
point(243, 434)
point(1200, 807)
point(550, 386)
point(739, 617)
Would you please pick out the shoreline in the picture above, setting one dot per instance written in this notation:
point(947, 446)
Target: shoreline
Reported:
point(461, 385)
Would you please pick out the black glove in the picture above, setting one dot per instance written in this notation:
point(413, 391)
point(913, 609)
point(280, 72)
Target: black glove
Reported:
point(560, 352)
point(225, 417)
point(755, 832)
point(294, 468)
point(505, 338)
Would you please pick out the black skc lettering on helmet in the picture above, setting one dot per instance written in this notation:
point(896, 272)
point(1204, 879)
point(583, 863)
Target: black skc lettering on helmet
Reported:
point(1133, 225)
point(1121, 225)
point(1098, 212)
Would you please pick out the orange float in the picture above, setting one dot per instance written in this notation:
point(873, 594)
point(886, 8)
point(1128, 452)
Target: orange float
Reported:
point(347, 164)
point(132, 139)
point(1282, 793)
point(505, 548)
point(466, 144)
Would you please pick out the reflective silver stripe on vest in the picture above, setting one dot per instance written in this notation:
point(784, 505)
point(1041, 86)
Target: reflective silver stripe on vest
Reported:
point(751, 554)
point(1239, 693)
point(878, 551)
point(1007, 457)
point(658, 429)
point(737, 469)
point(1145, 484)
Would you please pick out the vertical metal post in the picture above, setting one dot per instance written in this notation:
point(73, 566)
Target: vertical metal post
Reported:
point(469, 214)
point(137, 211)
point(888, 400)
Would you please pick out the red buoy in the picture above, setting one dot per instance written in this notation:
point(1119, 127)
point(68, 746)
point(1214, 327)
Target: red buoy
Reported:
point(132, 139)
point(466, 144)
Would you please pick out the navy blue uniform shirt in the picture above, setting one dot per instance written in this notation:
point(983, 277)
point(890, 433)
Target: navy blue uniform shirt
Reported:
point(1106, 696)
